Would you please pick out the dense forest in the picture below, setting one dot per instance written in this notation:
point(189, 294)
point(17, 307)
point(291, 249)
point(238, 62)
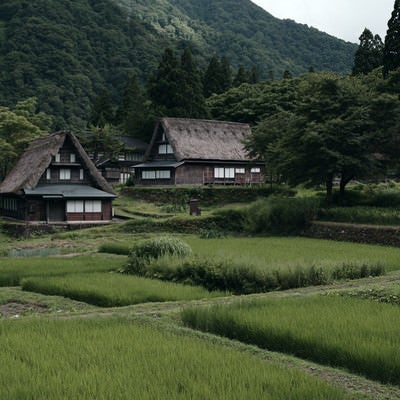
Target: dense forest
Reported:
point(65, 53)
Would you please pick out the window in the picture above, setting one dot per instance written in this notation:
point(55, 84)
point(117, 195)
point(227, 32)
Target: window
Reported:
point(240, 170)
point(123, 177)
point(229, 172)
point(93, 206)
point(58, 157)
point(148, 174)
point(74, 206)
point(48, 174)
point(10, 204)
point(81, 174)
point(72, 157)
point(134, 157)
point(159, 174)
point(255, 170)
point(163, 174)
point(221, 173)
point(121, 157)
point(65, 174)
point(165, 149)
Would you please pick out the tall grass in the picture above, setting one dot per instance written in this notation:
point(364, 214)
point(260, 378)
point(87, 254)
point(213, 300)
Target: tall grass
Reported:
point(116, 359)
point(361, 215)
point(355, 334)
point(244, 278)
point(12, 270)
point(113, 289)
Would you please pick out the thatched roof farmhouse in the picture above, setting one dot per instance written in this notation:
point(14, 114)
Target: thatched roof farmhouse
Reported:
point(197, 152)
point(54, 181)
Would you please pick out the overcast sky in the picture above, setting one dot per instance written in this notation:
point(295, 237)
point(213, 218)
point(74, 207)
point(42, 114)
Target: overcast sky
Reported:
point(345, 19)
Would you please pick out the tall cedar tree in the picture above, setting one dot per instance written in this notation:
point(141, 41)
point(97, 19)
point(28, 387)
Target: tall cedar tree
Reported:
point(164, 86)
point(102, 112)
point(391, 51)
point(177, 89)
point(191, 88)
point(369, 54)
point(218, 77)
point(242, 76)
point(133, 116)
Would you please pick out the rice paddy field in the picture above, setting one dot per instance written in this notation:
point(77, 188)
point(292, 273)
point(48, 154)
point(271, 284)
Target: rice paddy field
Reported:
point(107, 335)
point(115, 289)
point(120, 359)
point(293, 251)
point(360, 335)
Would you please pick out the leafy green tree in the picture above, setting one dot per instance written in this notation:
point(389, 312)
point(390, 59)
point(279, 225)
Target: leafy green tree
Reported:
point(369, 54)
point(18, 127)
point(329, 133)
point(391, 51)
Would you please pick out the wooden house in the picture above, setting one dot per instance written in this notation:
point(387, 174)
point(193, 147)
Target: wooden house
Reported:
point(198, 152)
point(55, 181)
point(119, 168)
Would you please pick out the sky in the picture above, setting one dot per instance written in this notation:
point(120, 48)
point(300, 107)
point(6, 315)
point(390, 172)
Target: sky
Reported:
point(345, 19)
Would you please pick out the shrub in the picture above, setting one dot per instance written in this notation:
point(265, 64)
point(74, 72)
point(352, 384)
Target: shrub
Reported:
point(142, 253)
point(280, 215)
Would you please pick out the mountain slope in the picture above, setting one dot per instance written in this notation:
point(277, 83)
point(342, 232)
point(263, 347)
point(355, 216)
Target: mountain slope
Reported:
point(65, 52)
point(246, 34)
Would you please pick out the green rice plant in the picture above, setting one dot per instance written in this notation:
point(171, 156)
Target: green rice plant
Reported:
point(359, 335)
point(114, 289)
point(120, 359)
point(115, 248)
point(12, 270)
point(264, 252)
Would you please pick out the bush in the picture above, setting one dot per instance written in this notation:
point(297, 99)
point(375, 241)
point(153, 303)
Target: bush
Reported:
point(142, 253)
point(280, 215)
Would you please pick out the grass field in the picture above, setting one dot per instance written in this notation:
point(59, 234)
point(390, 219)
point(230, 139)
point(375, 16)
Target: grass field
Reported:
point(356, 334)
point(119, 359)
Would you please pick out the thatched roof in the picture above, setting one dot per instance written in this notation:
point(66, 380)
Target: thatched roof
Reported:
point(37, 158)
point(196, 139)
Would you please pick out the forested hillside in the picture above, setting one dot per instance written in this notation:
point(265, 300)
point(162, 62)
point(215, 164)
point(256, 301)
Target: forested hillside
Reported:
point(65, 53)
point(245, 34)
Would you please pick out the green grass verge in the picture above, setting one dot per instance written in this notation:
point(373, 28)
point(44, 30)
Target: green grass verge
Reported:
point(114, 289)
point(355, 334)
point(118, 359)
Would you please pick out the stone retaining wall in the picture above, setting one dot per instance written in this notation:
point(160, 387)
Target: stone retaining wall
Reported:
point(388, 236)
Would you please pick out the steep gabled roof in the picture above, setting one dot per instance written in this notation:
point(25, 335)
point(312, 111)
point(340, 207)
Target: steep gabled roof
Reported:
point(197, 139)
point(38, 156)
